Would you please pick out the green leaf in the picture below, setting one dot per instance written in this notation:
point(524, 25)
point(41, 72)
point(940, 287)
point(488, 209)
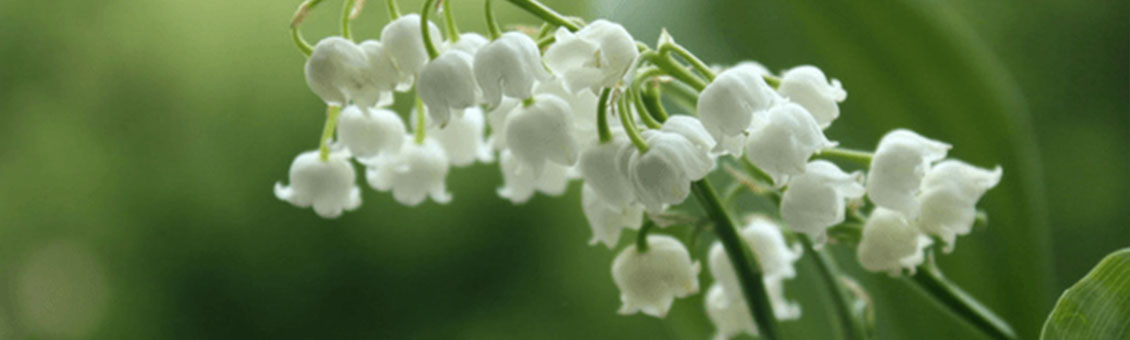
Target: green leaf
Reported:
point(1096, 307)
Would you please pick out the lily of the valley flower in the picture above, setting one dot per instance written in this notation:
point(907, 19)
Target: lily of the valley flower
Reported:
point(728, 104)
point(775, 258)
point(447, 84)
point(462, 138)
point(783, 139)
point(541, 132)
point(897, 168)
point(891, 243)
point(650, 281)
point(729, 314)
point(382, 77)
point(336, 69)
point(950, 192)
point(329, 186)
point(413, 174)
point(367, 133)
point(807, 86)
point(520, 184)
point(679, 153)
point(814, 200)
point(405, 43)
point(509, 66)
point(596, 56)
point(469, 42)
point(598, 166)
point(608, 219)
point(583, 105)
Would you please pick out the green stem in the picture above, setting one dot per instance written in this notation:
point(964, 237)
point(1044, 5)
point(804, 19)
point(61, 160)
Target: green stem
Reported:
point(429, 45)
point(859, 157)
point(346, 29)
point(630, 125)
point(772, 81)
point(755, 171)
point(695, 62)
point(332, 112)
point(841, 298)
point(642, 110)
point(451, 30)
point(547, 14)
point(602, 116)
point(299, 15)
point(301, 43)
point(421, 122)
point(393, 10)
point(545, 30)
point(545, 42)
point(641, 237)
point(492, 23)
point(681, 94)
point(744, 263)
point(651, 99)
point(673, 69)
point(930, 280)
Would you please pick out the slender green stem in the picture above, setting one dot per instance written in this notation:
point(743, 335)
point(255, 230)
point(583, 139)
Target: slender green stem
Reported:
point(421, 122)
point(449, 26)
point(930, 280)
point(332, 112)
point(545, 30)
point(602, 116)
point(755, 171)
point(841, 297)
point(681, 94)
point(547, 14)
point(492, 23)
point(642, 110)
point(301, 43)
point(673, 69)
point(695, 62)
point(744, 263)
point(545, 42)
point(429, 45)
point(641, 237)
point(393, 10)
point(299, 15)
point(859, 157)
point(654, 104)
point(630, 125)
point(346, 12)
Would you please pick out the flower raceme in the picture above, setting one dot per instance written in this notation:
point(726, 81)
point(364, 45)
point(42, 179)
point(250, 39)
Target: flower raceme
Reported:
point(540, 106)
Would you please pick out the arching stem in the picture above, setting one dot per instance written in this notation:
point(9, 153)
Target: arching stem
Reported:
point(492, 23)
point(429, 45)
point(602, 116)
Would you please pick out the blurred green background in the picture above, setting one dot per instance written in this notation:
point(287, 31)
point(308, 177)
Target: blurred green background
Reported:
point(139, 141)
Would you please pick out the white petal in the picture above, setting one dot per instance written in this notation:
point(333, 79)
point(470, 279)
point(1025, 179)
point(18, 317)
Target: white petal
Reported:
point(509, 66)
point(541, 132)
point(607, 220)
point(650, 281)
point(447, 84)
point(368, 133)
point(336, 69)
point(329, 186)
point(814, 200)
point(782, 141)
point(415, 173)
point(897, 168)
point(403, 40)
point(598, 166)
point(807, 86)
point(729, 314)
point(890, 243)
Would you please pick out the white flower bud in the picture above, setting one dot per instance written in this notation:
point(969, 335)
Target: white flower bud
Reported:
point(381, 78)
point(583, 106)
point(462, 138)
point(509, 66)
point(413, 174)
point(814, 200)
point(519, 184)
point(329, 186)
point(497, 120)
point(891, 243)
point(950, 192)
point(596, 56)
point(774, 257)
point(607, 219)
point(900, 161)
point(402, 39)
point(367, 133)
point(678, 154)
point(649, 282)
point(598, 166)
point(807, 86)
point(448, 83)
point(728, 104)
point(469, 42)
point(783, 139)
point(336, 69)
point(540, 132)
point(729, 314)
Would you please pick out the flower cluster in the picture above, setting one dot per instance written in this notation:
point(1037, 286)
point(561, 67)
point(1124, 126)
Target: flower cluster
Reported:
point(549, 100)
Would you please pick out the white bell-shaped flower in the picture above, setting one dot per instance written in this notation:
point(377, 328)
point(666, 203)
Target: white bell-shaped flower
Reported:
point(729, 314)
point(405, 43)
point(540, 133)
point(509, 66)
point(367, 133)
point(607, 219)
point(381, 78)
point(783, 139)
point(329, 186)
point(650, 281)
point(679, 153)
point(775, 258)
point(728, 104)
point(596, 56)
point(806, 85)
point(814, 200)
point(336, 70)
point(469, 42)
point(950, 192)
point(497, 120)
point(897, 168)
point(447, 84)
point(598, 166)
point(890, 243)
point(583, 106)
point(519, 184)
point(462, 139)
point(416, 172)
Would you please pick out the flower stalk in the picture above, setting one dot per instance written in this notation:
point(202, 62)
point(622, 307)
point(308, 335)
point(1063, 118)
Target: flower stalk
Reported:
point(332, 112)
point(547, 14)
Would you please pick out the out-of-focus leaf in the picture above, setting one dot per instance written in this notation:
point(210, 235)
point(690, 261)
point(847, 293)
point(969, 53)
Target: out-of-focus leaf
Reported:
point(1096, 307)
